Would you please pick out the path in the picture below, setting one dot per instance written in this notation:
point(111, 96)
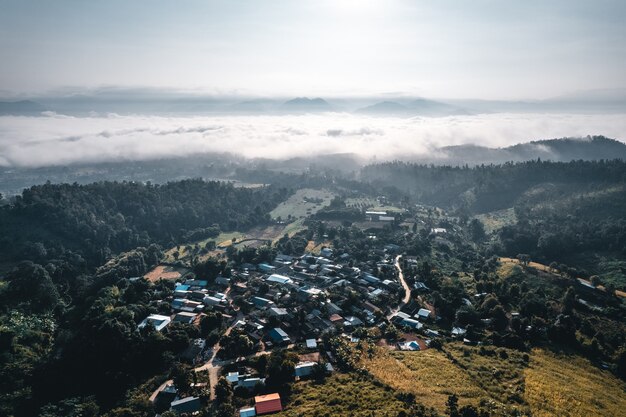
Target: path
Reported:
point(407, 290)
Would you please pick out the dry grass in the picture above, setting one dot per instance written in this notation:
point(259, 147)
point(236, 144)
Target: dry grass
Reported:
point(428, 374)
point(342, 395)
point(570, 386)
point(163, 272)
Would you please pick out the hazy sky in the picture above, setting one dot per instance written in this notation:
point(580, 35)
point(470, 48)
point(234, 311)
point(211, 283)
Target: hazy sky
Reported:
point(479, 49)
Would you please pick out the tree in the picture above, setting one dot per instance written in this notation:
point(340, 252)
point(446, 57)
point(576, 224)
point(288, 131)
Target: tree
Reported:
point(452, 406)
point(477, 230)
point(569, 300)
point(223, 391)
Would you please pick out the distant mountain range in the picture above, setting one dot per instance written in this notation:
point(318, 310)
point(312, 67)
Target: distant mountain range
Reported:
point(418, 107)
point(561, 150)
point(305, 104)
point(167, 102)
point(21, 108)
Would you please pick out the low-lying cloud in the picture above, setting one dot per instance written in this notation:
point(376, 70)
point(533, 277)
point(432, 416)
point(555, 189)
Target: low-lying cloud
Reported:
point(53, 139)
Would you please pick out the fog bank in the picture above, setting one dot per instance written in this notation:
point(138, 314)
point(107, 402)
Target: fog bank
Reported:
point(53, 139)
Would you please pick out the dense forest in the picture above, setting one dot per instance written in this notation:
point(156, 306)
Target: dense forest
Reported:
point(99, 220)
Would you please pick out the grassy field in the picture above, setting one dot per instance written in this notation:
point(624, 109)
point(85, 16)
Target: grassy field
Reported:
point(342, 395)
point(570, 387)
point(428, 374)
point(298, 207)
point(496, 220)
point(542, 384)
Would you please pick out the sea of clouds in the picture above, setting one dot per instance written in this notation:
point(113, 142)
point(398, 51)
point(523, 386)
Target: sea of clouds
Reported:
point(55, 139)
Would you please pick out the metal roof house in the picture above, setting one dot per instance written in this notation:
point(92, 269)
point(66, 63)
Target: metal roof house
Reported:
point(269, 403)
point(247, 412)
point(186, 405)
point(304, 369)
point(157, 321)
point(278, 335)
point(279, 279)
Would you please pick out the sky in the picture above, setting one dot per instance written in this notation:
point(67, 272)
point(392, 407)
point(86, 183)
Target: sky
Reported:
point(484, 49)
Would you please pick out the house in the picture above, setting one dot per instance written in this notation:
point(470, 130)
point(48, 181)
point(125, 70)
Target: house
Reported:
point(335, 319)
point(414, 324)
point(185, 317)
point(251, 383)
point(265, 404)
point(181, 304)
point(326, 252)
point(352, 321)
point(166, 395)
point(307, 293)
point(247, 412)
point(260, 302)
point(186, 405)
point(401, 315)
point(196, 283)
point(279, 279)
point(376, 293)
point(311, 344)
point(438, 230)
point(333, 308)
point(413, 345)
point(157, 321)
point(278, 312)
point(432, 333)
point(458, 331)
point(423, 313)
point(266, 268)
point(222, 281)
point(279, 336)
point(211, 301)
point(304, 369)
point(233, 378)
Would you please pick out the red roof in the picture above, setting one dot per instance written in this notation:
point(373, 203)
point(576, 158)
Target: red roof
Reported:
point(269, 403)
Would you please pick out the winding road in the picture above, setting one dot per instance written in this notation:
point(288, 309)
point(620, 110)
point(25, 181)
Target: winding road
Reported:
point(407, 290)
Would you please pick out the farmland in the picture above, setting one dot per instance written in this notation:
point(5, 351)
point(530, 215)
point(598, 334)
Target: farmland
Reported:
point(303, 203)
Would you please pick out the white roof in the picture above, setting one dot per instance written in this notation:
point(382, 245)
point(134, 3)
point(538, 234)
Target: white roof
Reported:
point(158, 321)
point(423, 312)
point(311, 343)
point(280, 279)
point(247, 412)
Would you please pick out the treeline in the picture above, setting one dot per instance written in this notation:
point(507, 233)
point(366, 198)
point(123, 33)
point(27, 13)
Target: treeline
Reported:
point(98, 220)
point(487, 187)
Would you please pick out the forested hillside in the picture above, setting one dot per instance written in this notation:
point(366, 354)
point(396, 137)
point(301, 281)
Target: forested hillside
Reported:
point(99, 220)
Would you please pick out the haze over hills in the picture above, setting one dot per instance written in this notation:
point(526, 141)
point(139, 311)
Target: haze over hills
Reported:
point(22, 107)
point(151, 101)
point(417, 107)
point(226, 166)
point(558, 150)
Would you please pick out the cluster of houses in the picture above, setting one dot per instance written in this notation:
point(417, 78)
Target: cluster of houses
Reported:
point(295, 300)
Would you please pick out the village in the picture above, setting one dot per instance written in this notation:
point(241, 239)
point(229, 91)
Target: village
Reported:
point(292, 303)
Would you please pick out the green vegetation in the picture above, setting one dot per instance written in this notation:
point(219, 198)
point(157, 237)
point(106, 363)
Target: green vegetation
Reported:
point(302, 203)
